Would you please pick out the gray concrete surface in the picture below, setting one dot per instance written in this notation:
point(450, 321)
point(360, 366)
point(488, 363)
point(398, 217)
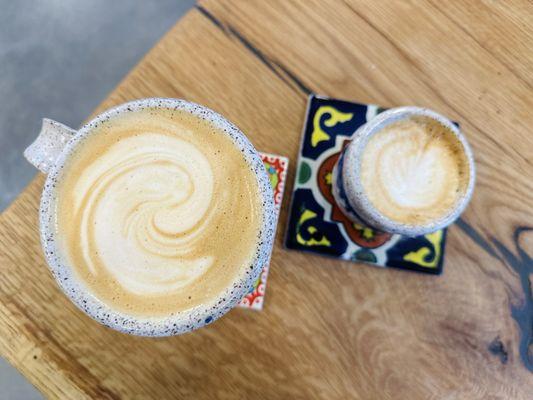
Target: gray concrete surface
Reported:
point(59, 59)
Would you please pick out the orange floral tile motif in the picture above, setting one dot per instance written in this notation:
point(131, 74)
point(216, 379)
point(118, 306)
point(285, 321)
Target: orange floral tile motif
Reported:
point(276, 167)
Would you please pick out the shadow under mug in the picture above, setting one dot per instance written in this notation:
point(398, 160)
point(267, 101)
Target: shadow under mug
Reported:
point(348, 190)
point(49, 153)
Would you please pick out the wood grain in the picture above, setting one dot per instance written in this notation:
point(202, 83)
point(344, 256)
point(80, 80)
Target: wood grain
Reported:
point(329, 329)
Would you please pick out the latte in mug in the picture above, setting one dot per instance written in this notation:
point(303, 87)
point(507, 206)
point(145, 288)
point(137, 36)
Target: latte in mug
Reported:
point(408, 171)
point(157, 212)
point(157, 217)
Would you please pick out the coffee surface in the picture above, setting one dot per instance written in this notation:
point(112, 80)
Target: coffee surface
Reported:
point(414, 171)
point(157, 212)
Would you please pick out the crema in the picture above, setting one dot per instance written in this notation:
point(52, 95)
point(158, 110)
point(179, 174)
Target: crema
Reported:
point(414, 171)
point(157, 212)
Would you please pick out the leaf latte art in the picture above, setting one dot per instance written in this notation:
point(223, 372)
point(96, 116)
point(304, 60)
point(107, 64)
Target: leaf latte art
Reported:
point(414, 171)
point(159, 212)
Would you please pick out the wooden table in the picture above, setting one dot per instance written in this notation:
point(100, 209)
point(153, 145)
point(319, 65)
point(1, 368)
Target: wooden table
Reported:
point(329, 329)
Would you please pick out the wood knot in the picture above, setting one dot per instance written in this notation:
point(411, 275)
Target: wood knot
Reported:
point(497, 348)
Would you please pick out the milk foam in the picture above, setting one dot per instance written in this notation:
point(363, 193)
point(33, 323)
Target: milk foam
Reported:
point(414, 171)
point(160, 212)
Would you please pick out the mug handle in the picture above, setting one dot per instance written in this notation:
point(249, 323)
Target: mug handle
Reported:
point(45, 150)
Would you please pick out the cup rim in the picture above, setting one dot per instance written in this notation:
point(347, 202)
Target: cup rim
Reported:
point(357, 196)
point(179, 322)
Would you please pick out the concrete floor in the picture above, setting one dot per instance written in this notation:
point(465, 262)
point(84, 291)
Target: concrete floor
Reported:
point(59, 59)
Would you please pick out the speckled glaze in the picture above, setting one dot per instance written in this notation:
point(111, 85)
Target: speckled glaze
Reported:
point(348, 190)
point(45, 150)
point(176, 323)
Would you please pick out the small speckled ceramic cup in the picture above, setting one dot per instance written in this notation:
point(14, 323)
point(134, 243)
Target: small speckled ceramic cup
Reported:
point(49, 153)
point(348, 190)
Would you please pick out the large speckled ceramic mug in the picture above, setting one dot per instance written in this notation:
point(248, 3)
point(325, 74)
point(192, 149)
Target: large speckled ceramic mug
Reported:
point(156, 217)
point(409, 170)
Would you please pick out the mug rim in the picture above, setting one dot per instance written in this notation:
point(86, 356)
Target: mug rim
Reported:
point(178, 322)
point(356, 194)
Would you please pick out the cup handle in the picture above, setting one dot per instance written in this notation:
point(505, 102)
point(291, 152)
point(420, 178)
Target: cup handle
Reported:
point(45, 150)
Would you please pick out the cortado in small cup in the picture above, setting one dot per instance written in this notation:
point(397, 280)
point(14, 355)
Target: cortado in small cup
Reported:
point(156, 217)
point(408, 170)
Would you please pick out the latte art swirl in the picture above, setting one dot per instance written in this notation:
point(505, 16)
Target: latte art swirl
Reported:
point(154, 202)
point(413, 171)
point(156, 207)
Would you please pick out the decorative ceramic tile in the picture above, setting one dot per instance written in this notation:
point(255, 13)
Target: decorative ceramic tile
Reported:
point(316, 223)
point(277, 170)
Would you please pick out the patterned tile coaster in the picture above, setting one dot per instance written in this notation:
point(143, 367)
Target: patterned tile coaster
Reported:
point(277, 169)
point(317, 225)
